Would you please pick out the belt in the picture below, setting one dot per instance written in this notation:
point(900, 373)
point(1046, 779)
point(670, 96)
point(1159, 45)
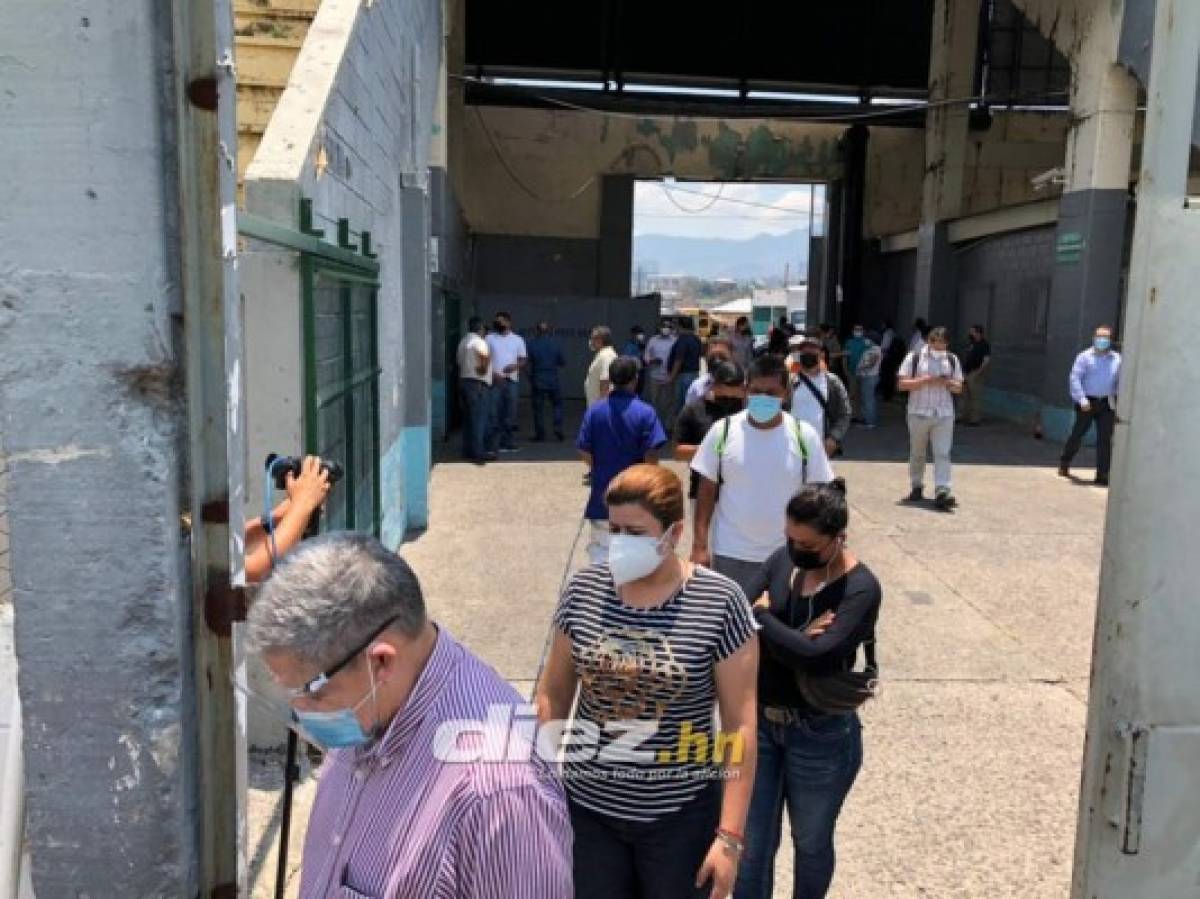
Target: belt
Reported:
point(780, 715)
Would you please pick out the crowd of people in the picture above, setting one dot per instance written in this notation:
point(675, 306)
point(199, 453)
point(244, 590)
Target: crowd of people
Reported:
point(687, 700)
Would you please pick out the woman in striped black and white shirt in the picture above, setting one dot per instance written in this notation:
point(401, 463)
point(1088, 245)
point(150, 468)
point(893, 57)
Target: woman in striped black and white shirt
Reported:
point(658, 797)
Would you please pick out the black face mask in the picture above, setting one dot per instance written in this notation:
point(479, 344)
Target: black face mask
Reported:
point(810, 360)
point(724, 406)
point(808, 559)
point(500, 326)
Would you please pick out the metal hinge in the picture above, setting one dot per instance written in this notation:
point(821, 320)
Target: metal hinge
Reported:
point(223, 603)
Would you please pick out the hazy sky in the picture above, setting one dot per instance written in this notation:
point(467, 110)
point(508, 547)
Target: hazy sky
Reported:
point(656, 209)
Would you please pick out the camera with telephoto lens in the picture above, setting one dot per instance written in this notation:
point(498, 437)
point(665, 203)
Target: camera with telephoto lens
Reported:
point(280, 466)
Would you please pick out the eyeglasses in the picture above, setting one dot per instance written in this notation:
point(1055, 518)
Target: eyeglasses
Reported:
point(318, 683)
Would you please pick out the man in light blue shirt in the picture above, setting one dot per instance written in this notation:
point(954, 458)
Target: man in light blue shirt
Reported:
point(1095, 381)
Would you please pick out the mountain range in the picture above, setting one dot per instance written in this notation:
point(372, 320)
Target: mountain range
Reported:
point(762, 257)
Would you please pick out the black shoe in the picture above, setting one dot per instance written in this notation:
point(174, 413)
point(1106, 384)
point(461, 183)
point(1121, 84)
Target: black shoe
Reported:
point(558, 435)
point(1064, 471)
point(490, 457)
point(539, 438)
point(917, 494)
point(945, 500)
point(1101, 481)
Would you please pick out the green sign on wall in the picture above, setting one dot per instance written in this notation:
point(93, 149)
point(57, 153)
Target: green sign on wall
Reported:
point(1069, 249)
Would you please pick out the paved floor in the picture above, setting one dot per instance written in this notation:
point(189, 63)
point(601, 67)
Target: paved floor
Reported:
point(972, 751)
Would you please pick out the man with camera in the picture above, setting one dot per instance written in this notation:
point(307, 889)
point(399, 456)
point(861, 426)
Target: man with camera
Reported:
point(269, 537)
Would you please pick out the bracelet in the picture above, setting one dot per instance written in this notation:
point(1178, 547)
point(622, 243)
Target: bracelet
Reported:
point(731, 840)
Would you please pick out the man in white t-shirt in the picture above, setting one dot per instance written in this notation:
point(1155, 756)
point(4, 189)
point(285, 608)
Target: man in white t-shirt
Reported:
point(474, 385)
point(758, 459)
point(819, 396)
point(660, 393)
point(508, 358)
point(596, 385)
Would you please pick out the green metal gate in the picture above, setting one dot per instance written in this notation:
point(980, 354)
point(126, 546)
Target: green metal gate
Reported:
point(339, 286)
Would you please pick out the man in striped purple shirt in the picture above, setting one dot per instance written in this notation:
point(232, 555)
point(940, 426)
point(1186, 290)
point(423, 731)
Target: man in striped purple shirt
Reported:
point(342, 626)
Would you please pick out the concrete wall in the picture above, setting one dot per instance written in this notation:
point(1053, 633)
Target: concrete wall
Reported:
point(560, 158)
point(572, 318)
point(1000, 164)
point(1003, 282)
point(453, 279)
point(92, 422)
point(356, 118)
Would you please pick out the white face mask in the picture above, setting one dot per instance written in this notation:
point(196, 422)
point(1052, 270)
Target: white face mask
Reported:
point(634, 556)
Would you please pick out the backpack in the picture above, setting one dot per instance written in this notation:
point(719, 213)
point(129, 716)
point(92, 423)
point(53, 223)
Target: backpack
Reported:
point(955, 365)
point(797, 432)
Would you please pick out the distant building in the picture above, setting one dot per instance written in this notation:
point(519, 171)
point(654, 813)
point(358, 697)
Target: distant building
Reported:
point(773, 303)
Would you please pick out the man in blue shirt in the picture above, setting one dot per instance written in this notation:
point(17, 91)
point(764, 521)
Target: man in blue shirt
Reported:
point(618, 431)
point(545, 359)
point(1094, 382)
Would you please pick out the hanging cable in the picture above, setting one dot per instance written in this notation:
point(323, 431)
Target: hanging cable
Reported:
point(709, 205)
point(534, 195)
point(684, 190)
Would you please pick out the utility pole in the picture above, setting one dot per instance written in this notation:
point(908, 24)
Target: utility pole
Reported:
point(1139, 816)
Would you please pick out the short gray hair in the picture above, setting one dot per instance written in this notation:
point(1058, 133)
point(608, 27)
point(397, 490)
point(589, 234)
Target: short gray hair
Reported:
point(330, 595)
point(604, 334)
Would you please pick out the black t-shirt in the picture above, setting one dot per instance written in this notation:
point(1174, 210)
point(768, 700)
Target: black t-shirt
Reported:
point(975, 356)
point(854, 599)
point(691, 427)
point(687, 351)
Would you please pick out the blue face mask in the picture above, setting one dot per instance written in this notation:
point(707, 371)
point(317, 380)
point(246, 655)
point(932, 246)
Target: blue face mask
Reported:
point(1102, 343)
point(338, 729)
point(763, 408)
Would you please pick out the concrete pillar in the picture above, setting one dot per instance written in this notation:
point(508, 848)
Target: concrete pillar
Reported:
point(1094, 209)
point(94, 428)
point(614, 257)
point(952, 58)
point(417, 294)
point(824, 260)
point(1138, 815)
point(850, 310)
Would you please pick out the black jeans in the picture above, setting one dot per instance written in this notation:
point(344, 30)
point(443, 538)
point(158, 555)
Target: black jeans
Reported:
point(552, 395)
point(618, 859)
point(476, 398)
point(1104, 415)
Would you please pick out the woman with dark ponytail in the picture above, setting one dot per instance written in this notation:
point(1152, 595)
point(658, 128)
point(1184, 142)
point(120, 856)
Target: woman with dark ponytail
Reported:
point(817, 604)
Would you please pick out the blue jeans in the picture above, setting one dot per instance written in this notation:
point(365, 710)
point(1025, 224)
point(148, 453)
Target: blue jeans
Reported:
point(505, 395)
point(682, 385)
point(542, 395)
point(476, 399)
point(618, 859)
point(807, 767)
point(866, 389)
